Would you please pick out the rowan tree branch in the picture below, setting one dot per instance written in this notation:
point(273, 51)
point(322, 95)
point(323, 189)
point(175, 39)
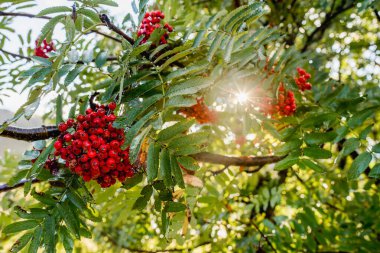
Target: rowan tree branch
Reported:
point(6, 187)
point(28, 15)
point(15, 55)
point(31, 134)
point(110, 58)
point(46, 132)
point(105, 19)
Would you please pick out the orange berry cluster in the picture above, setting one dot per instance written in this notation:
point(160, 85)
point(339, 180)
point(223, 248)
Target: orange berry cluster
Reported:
point(286, 103)
point(43, 49)
point(200, 112)
point(91, 147)
point(302, 78)
point(151, 22)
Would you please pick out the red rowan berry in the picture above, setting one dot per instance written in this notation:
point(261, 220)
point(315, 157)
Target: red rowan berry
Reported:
point(43, 49)
point(67, 137)
point(58, 145)
point(112, 106)
point(62, 127)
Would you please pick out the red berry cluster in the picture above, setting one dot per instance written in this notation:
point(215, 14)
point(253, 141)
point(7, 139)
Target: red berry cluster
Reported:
point(200, 112)
point(285, 105)
point(152, 21)
point(43, 49)
point(91, 147)
point(302, 78)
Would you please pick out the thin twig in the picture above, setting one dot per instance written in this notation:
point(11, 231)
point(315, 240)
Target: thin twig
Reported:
point(105, 19)
point(28, 15)
point(263, 236)
point(15, 55)
point(217, 172)
point(110, 58)
point(6, 187)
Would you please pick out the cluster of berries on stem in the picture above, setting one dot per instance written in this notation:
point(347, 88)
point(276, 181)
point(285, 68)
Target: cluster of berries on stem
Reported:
point(44, 48)
point(200, 112)
point(286, 103)
point(302, 80)
point(151, 22)
point(91, 146)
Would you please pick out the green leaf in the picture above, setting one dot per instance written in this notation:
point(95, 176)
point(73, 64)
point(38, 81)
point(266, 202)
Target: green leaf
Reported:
point(317, 153)
point(70, 218)
point(37, 166)
point(289, 146)
point(140, 108)
point(190, 139)
point(359, 117)
point(49, 26)
point(136, 144)
point(201, 66)
point(33, 247)
point(59, 118)
point(358, 166)
point(132, 132)
point(67, 240)
point(39, 76)
point(35, 213)
point(176, 57)
point(90, 14)
point(54, 9)
point(314, 166)
point(21, 242)
point(229, 48)
point(177, 171)
point(174, 130)
point(363, 134)
point(198, 39)
point(76, 200)
point(215, 45)
point(376, 148)
point(286, 163)
point(107, 2)
point(375, 171)
point(153, 161)
point(133, 181)
point(165, 169)
point(350, 146)
point(49, 234)
point(141, 90)
point(101, 59)
point(174, 207)
point(180, 102)
point(164, 222)
point(188, 163)
point(20, 226)
point(319, 138)
point(140, 203)
point(73, 74)
point(70, 28)
point(16, 178)
point(79, 23)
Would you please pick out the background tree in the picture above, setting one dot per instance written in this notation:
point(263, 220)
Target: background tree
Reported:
point(233, 126)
